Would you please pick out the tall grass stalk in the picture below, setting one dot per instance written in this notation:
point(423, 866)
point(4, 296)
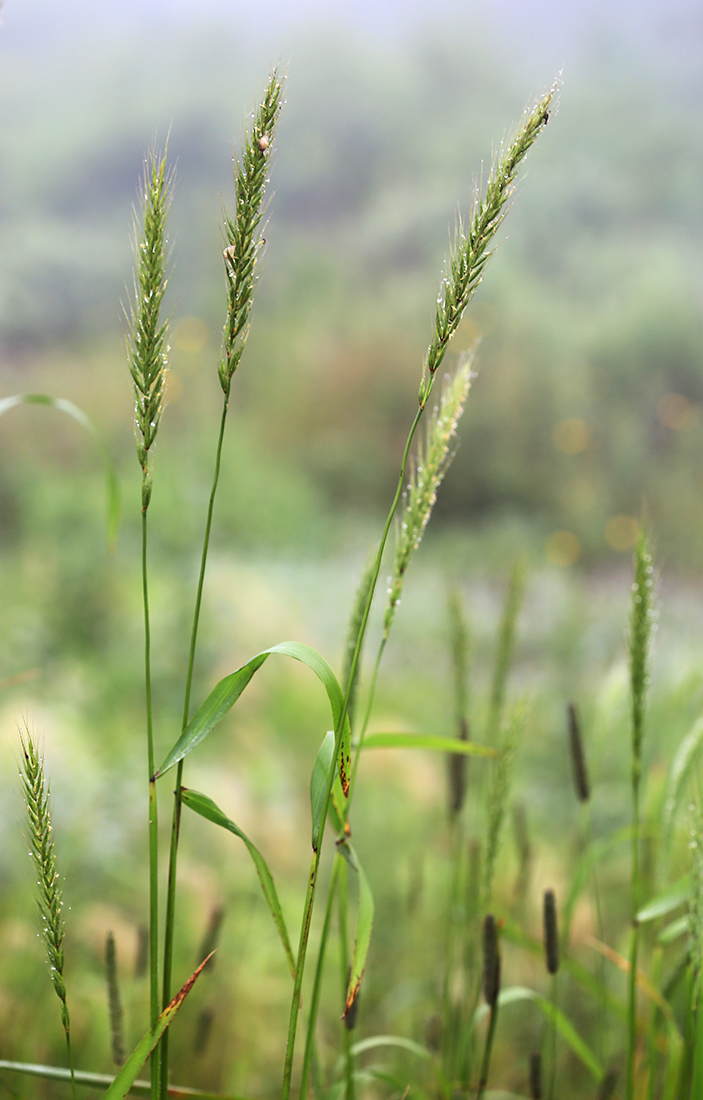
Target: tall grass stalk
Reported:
point(244, 244)
point(506, 644)
point(469, 254)
point(43, 853)
point(641, 622)
point(426, 474)
point(147, 357)
point(582, 788)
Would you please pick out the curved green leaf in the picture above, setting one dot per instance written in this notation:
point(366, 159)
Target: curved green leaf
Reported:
point(588, 981)
point(674, 931)
point(664, 903)
point(111, 484)
point(225, 694)
point(201, 804)
point(364, 923)
point(318, 784)
point(682, 766)
point(562, 1023)
point(426, 741)
point(398, 1041)
point(128, 1074)
point(104, 1080)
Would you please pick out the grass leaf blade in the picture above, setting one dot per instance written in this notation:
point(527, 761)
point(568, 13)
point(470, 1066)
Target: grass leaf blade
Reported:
point(225, 694)
point(318, 784)
point(201, 804)
point(128, 1074)
point(430, 741)
point(104, 1080)
point(364, 924)
point(562, 1023)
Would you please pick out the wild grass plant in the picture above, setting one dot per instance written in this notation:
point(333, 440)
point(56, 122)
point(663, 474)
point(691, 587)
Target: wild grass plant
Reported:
point(463, 1038)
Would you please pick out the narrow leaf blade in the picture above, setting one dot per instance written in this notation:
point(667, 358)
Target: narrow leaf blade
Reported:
point(427, 741)
point(201, 804)
point(318, 784)
point(225, 694)
point(218, 703)
point(364, 924)
point(128, 1074)
point(310, 657)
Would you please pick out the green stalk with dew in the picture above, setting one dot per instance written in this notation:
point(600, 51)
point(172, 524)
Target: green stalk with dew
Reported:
point(244, 244)
point(146, 355)
point(43, 853)
point(469, 254)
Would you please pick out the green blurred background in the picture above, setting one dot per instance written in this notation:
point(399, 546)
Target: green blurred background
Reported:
point(584, 417)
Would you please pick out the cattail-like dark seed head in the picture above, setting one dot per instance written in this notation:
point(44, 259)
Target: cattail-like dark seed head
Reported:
point(536, 1076)
point(141, 961)
point(114, 1001)
point(212, 935)
point(607, 1086)
point(578, 760)
point(491, 960)
point(203, 1030)
point(551, 936)
point(457, 773)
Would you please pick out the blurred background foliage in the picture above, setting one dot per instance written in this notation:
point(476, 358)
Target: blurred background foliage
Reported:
point(585, 415)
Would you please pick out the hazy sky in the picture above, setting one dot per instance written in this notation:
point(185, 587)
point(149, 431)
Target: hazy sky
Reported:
point(538, 27)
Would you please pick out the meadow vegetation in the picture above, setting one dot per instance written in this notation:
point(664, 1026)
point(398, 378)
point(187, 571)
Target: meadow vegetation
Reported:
point(483, 915)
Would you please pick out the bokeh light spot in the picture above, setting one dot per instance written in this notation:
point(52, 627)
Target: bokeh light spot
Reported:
point(571, 436)
point(676, 411)
point(563, 548)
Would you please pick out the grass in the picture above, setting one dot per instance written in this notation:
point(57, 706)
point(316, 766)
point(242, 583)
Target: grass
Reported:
point(470, 1001)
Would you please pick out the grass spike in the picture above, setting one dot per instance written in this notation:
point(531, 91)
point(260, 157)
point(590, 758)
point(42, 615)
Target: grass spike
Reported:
point(498, 790)
point(426, 474)
point(242, 232)
point(147, 347)
point(43, 852)
point(471, 247)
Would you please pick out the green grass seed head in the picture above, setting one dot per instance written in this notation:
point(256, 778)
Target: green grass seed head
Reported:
point(471, 247)
point(147, 336)
point(428, 470)
point(243, 231)
point(43, 853)
point(642, 625)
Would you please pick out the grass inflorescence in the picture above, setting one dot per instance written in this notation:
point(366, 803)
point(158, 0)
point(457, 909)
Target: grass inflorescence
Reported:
point(43, 853)
point(474, 906)
point(481, 923)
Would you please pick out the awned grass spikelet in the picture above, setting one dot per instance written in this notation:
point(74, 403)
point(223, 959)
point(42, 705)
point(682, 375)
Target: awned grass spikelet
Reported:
point(147, 335)
point(642, 618)
point(244, 240)
point(147, 357)
point(426, 473)
point(471, 251)
point(43, 853)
